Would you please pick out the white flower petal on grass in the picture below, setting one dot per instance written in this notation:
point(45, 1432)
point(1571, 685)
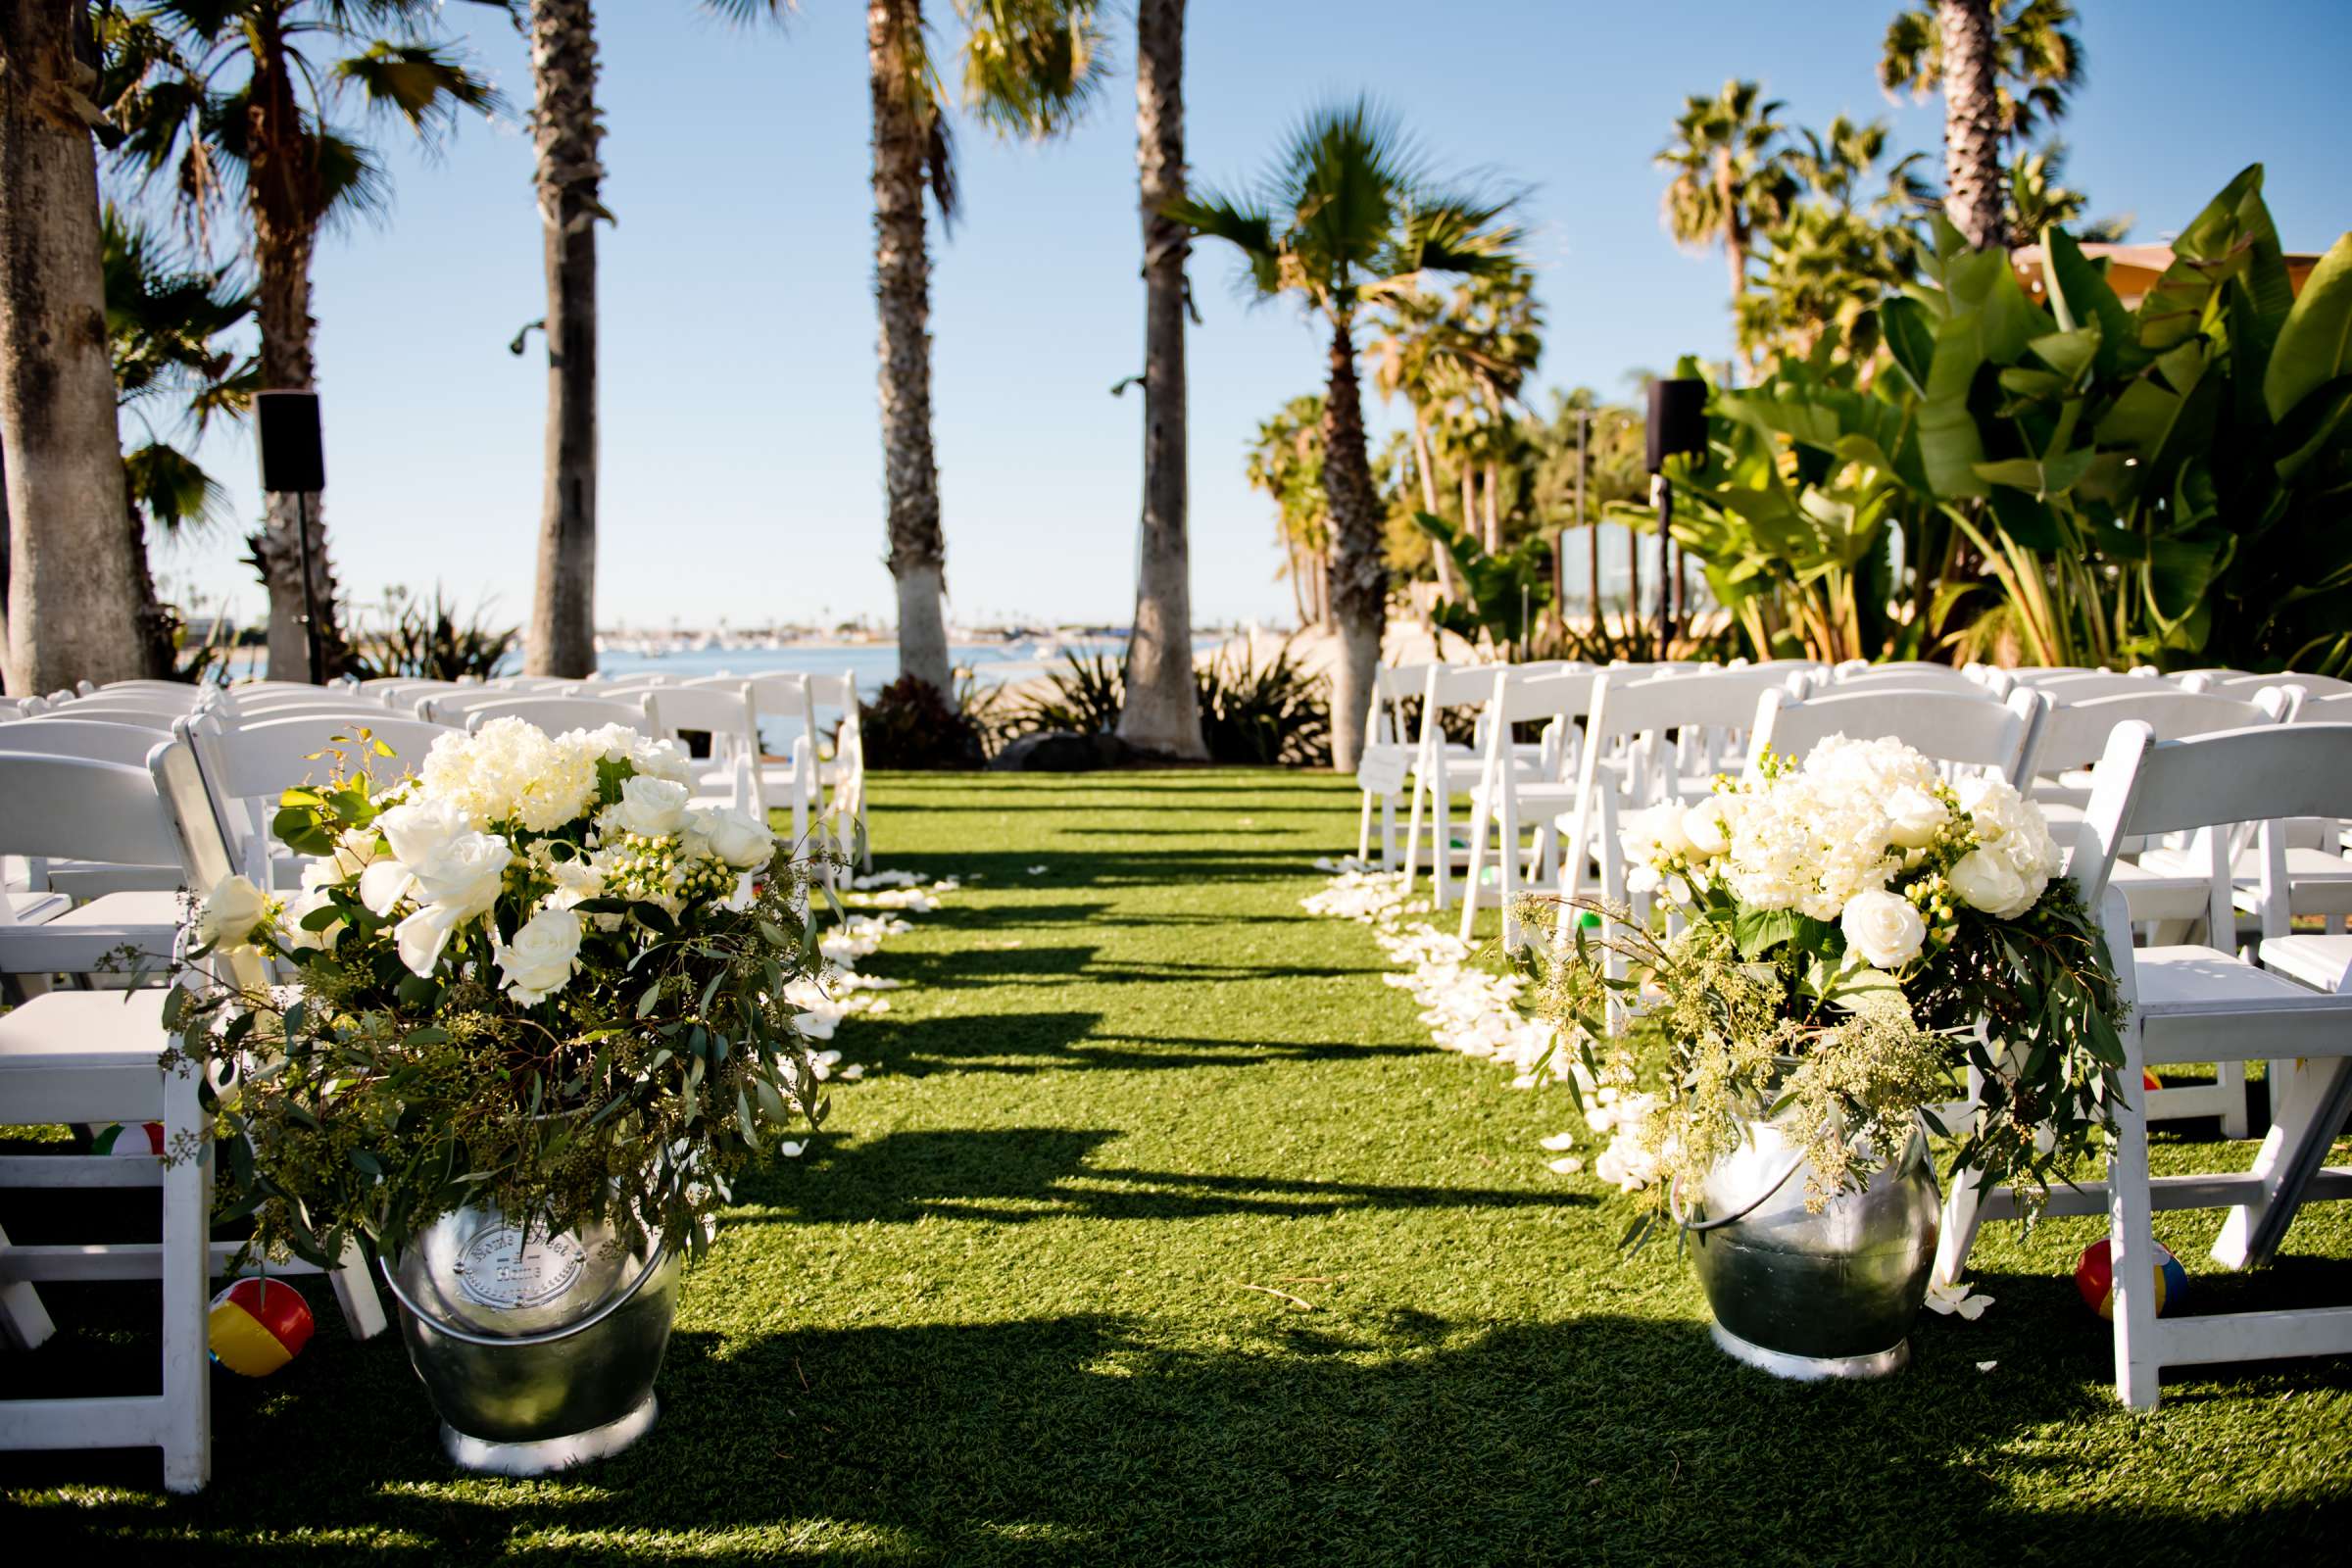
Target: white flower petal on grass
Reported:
point(1987, 1366)
point(1037, 870)
point(1949, 1297)
point(792, 1150)
point(1565, 1167)
point(1558, 1141)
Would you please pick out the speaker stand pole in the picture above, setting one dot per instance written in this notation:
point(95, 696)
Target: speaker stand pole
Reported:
point(310, 591)
point(1665, 553)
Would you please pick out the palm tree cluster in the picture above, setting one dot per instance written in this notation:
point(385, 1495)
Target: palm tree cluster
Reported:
point(1349, 219)
point(1817, 225)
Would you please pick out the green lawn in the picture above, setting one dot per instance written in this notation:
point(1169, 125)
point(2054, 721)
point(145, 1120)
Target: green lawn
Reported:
point(1001, 1312)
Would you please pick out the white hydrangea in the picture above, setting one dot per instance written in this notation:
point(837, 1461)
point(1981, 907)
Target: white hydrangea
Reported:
point(618, 743)
point(510, 772)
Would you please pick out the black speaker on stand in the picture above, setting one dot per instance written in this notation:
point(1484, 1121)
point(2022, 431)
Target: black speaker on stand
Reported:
point(294, 461)
point(1678, 427)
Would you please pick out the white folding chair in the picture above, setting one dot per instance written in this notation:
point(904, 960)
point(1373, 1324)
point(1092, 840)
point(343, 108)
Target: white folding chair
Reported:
point(247, 766)
point(1639, 740)
point(2230, 683)
point(558, 715)
point(2189, 1003)
point(94, 1057)
point(41, 932)
point(1385, 765)
point(1508, 795)
point(1441, 768)
point(841, 768)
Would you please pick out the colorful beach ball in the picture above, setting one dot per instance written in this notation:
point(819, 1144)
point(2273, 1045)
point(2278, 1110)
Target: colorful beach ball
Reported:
point(259, 1325)
point(136, 1140)
point(2095, 1277)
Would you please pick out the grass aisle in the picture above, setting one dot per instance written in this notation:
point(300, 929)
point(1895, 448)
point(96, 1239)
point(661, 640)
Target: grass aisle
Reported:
point(1030, 1297)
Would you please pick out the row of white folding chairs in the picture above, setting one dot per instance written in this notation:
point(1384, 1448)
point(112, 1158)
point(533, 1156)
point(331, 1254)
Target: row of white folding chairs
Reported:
point(2288, 1003)
point(93, 1057)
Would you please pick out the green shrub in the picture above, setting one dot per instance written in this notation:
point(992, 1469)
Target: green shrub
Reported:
point(1085, 697)
point(1272, 713)
point(427, 642)
point(911, 724)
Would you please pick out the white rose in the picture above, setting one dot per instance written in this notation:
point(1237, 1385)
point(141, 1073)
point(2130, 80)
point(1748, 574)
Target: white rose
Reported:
point(653, 806)
point(466, 874)
point(383, 885)
point(1916, 817)
point(229, 916)
point(540, 960)
point(418, 831)
point(1984, 881)
point(738, 838)
point(1883, 928)
point(1707, 829)
point(1655, 834)
point(422, 937)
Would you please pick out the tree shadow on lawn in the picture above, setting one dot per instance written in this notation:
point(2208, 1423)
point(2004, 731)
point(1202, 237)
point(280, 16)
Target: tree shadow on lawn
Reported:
point(1353, 1435)
point(1020, 1174)
point(975, 966)
point(1020, 1043)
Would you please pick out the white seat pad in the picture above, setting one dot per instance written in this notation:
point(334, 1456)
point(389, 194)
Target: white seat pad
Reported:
point(2183, 981)
point(80, 1029)
point(2322, 962)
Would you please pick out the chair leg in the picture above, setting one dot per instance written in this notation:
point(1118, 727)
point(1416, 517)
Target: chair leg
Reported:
point(355, 1292)
point(1507, 869)
point(2132, 1242)
point(1963, 1209)
point(1387, 832)
point(1363, 829)
point(1412, 838)
point(24, 1324)
point(1440, 842)
point(1482, 813)
point(2235, 1124)
point(2303, 1123)
point(186, 1268)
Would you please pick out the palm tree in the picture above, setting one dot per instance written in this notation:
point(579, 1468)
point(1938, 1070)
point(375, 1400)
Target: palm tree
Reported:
point(73, 603)
point(1286, 461)
point(1030, 67)
point(564, 132)
point(165, 319)
point(2006, 68)
point(1731, 177)
point(235, 96)
point(1833, 256)
point(1348, 218)
point(2037, 200)
point(1161, 710)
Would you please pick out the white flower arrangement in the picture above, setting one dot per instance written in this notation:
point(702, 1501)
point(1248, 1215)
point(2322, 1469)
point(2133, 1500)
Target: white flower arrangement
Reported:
point(527, 968)
point(1851, 933)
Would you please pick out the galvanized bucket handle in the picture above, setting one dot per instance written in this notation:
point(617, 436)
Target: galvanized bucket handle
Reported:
point(652, 1266)
point(1674, 1202)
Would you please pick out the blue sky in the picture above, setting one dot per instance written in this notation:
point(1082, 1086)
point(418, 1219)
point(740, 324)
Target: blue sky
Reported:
point(742, 468)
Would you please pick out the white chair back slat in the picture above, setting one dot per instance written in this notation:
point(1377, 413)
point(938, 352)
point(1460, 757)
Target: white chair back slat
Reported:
point(75, 808)
point(1957, 730)
point(557, 714)
point(124, 745)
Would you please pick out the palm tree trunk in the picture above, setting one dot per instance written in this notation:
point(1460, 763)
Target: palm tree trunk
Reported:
point(1633, 581)
point(1298, 586)
point(282, 199)
point(71, 597)
point(1424, 464)
point(903, 300)
point(564, 134)
point(1493, 483)
point(1359, 584)
point(1972, 123)
point(1161, 712)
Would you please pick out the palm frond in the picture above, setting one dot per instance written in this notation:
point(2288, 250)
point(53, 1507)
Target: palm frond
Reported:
point(423, 83)
point(1032, 66)
point(1246, 227)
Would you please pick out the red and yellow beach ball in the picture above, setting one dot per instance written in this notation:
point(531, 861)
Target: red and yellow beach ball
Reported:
point(2095, 1277)
point(259, 1325)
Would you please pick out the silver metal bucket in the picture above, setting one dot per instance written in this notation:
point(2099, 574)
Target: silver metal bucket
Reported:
point(539, 1351)
point(1803, 1294)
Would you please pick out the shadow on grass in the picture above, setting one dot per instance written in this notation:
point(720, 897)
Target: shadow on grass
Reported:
point(1358, 1433)
point(1019, 1174)
point(1018, 1043)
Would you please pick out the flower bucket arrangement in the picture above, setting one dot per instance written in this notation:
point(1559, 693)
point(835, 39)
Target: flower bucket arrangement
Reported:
point(1850, 954)
point(527, 1024)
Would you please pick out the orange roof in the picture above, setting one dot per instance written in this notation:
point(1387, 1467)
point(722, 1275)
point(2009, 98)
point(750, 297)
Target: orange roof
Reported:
point(2133, 269)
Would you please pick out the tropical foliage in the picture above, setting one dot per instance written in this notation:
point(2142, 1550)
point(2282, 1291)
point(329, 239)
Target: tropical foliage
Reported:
point(2070, 481)
point(423, 639)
